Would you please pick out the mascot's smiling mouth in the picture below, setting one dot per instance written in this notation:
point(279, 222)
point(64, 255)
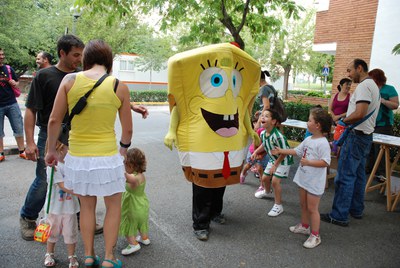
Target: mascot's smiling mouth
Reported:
point(223, 125)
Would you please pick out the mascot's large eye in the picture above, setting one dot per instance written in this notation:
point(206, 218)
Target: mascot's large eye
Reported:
point(214, 82)
point(236, 82)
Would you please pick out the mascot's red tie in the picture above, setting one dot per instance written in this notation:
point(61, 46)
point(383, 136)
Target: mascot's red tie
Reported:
point(226, 169)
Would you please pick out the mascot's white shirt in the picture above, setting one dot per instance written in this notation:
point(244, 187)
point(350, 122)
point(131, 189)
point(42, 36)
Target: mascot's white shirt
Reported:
point(212, 160)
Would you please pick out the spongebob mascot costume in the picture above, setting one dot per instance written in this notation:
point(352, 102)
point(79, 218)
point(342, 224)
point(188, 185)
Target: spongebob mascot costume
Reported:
point(211, 91)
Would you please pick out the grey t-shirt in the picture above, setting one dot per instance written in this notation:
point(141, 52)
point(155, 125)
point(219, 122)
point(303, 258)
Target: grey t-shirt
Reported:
point(265, 91)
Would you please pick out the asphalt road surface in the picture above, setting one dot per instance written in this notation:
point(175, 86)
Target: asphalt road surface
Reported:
point(248, 239)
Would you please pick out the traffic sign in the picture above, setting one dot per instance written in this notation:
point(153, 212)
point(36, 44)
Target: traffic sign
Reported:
point(325, 71)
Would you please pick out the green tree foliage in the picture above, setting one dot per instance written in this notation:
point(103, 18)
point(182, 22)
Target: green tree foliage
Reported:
point(119, 34)
point(30, 26)
point(126, 34)
point(315, 64)
point(207, 21)
point(290, 47)
point(396, 50)
point(154, 53)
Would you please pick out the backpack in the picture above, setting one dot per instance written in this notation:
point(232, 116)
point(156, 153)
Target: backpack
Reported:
point(278, 105)
point(17, 91)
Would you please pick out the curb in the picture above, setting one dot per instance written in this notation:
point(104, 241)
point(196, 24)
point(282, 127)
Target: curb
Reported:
point(13, 149)
point(10, 151)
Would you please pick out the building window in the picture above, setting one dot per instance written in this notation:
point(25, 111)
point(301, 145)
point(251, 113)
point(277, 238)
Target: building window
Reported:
point(322, 5)
point(130, 65)
point(126, 65)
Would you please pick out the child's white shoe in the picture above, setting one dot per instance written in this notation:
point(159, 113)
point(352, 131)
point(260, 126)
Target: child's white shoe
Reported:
point(145, 242)
point(242, 177)
point(262, 193)
point(276, 210)
point(130, 249)
point(300, 229)
point(312, 241)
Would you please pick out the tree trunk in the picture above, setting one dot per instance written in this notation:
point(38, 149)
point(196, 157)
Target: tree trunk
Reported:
point(227, 21)
point(294, 78)
point(151, 77)
point(286, 81)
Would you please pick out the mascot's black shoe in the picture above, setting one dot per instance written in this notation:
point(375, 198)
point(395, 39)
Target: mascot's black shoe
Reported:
point(220, 219)
point(201, 234)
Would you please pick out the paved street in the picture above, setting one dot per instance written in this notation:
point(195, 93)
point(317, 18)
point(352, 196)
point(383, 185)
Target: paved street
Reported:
point(249, 238)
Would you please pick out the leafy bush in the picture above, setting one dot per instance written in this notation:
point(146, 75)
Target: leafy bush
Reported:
point(295, 110)
point(149, 96)
point(313, 93)
point(300, 111)
point(297, 92)
point(396, 126)
point(396, 132)
point(318, 94)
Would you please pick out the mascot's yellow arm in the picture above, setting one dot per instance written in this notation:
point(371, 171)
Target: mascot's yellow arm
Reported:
point(170, 138)
point(250, 130)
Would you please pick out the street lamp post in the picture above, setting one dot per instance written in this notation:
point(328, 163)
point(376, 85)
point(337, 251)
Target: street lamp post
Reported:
point(76, 14)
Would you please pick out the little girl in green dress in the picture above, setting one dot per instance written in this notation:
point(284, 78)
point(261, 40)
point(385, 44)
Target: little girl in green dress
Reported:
point(135, 205)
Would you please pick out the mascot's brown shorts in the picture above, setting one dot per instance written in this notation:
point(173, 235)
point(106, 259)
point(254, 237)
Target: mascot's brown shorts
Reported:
point(211, 178)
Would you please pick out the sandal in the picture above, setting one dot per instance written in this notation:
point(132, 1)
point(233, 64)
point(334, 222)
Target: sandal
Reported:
point(380, 178)
point(73, 262)
point(95, 263)
point(49, 260)
point(116, 264)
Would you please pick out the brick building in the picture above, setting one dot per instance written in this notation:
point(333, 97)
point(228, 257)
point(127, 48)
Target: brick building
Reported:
point(366, 29)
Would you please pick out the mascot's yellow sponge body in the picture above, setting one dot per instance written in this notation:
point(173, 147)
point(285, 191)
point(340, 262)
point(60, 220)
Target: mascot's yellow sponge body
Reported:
point(210, 92)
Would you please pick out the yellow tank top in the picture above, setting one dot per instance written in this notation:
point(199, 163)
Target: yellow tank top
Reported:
point(92, 131)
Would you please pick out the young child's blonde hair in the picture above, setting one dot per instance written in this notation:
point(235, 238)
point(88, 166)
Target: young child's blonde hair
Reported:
point(59, 147)
point(136, 159)
point(323, 118)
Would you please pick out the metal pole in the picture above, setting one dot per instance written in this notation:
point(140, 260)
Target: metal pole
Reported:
point(75, 19)
point(76, 13)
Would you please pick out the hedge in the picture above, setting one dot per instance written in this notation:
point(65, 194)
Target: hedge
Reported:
point(312, 93)
point(300, 111)
point(149, 96)
point(295, 110)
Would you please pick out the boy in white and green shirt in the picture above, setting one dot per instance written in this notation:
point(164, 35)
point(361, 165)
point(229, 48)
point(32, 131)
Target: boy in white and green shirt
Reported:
point(278, 166)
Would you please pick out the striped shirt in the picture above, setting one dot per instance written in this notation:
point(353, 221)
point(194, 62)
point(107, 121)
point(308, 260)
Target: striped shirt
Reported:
point(276, 139)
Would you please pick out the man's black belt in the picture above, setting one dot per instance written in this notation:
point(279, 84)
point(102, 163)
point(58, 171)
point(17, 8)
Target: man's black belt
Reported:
point(360, 133)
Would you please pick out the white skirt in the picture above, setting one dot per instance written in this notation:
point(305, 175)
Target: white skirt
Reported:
point(95, 176)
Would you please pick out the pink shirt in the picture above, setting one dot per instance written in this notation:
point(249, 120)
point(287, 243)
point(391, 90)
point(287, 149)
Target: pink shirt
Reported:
point(340, 107)
point(251, 148)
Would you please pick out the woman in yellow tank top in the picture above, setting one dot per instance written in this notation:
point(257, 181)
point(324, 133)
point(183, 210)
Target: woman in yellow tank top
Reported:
point(93, 165)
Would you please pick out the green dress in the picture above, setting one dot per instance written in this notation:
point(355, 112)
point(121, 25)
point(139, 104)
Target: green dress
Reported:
point(134, 212)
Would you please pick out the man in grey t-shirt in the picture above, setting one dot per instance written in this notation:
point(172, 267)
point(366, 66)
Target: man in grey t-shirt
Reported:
point(350, 180)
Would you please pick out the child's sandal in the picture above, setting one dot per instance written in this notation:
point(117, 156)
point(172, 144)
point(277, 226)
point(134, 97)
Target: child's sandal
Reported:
point(116, 264)
point(73, 261)
point(49, 260)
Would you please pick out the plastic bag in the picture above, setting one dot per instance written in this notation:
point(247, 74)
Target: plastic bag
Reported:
point(339, 129)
